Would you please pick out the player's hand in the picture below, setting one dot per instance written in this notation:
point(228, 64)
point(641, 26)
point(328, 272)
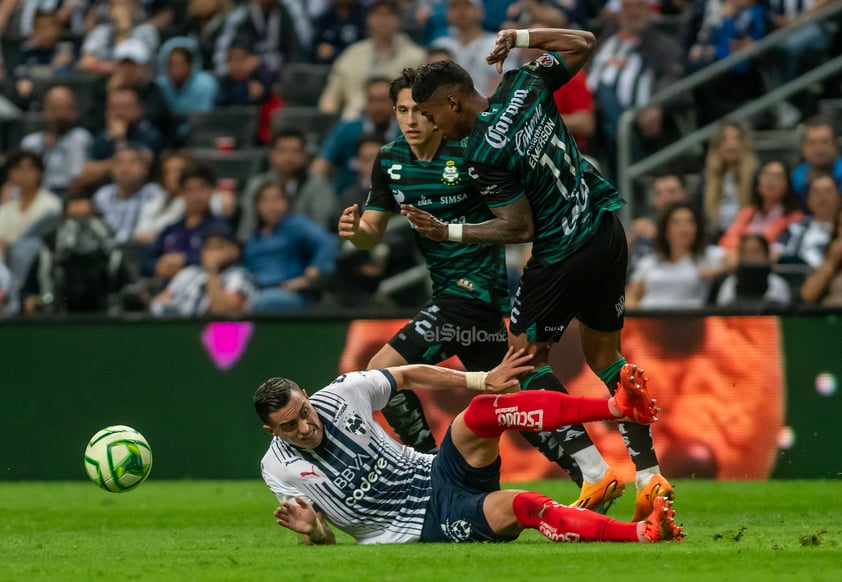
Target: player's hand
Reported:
point(297, 515)
point(505, 43)
point(349, 222)
point(425, 223)
point(504, 378)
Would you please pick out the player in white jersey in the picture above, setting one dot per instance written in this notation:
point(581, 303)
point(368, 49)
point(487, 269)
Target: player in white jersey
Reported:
point(330, 461)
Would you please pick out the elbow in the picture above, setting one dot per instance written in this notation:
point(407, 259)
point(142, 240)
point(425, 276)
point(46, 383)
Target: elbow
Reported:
point(525, 234)
point(588, 42)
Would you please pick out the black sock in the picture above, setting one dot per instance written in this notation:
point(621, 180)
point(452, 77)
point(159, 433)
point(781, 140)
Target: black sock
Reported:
point(558, 445)
point(406, 417)
point(637, 437)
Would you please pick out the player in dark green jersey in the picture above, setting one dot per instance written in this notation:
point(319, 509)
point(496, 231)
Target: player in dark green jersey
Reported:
point(540, 188)
point(470, 292)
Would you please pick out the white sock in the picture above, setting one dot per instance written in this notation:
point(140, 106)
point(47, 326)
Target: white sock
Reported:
point(591, 463)
point(642, 478)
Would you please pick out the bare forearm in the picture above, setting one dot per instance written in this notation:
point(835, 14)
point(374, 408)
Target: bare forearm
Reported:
point(424, 377)
point(575, 46)
point(497, 231)
point(367, 237)
point(816, 284)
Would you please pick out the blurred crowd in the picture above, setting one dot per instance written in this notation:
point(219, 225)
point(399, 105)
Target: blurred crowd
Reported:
point(192, 157)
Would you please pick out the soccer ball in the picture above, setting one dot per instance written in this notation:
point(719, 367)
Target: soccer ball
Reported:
point(118, 458)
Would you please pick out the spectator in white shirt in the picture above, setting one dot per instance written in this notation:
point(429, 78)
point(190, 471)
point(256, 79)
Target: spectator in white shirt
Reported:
point(25, 204)
point(127, 202)
point(680, 270)
point(63, 145)
point(470, 44)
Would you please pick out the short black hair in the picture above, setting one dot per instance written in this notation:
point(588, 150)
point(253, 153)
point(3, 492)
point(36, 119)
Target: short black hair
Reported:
point(273, 395)
point(405, 81)
point(669, 173)
point(434, 75)
point(815, 177)
point(197, 170)
point(18, 156)
point(287, 134)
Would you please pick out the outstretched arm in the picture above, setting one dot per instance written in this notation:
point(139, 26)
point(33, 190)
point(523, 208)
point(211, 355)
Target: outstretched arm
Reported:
point(573, 46)
point(502, 378)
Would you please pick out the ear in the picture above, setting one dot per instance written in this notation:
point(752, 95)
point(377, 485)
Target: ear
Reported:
point(268, 429)
point(454, 103)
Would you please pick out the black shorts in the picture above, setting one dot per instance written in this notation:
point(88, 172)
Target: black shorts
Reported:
point(454, 326)
point(588, 285)
point(454, 512)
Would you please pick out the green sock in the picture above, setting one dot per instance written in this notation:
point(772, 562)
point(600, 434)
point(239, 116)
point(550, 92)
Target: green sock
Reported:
point(611, 375)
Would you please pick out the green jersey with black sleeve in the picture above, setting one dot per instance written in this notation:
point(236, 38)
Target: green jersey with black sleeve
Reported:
point(521, 147)
point(441, 187)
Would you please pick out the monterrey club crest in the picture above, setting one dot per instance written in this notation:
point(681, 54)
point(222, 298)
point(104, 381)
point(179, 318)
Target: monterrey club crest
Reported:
point(355, 425)
point(450, 176)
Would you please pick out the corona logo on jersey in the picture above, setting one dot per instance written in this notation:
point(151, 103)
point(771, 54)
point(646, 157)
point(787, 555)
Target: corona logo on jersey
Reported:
point(450, 176)
point(497, 134)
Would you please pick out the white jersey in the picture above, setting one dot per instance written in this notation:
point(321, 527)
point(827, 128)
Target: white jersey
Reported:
point(367, 484)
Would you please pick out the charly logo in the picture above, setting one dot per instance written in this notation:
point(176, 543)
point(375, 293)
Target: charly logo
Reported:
point(458, 531)
point(450, 176)
point(496, 136)
point(356, 425)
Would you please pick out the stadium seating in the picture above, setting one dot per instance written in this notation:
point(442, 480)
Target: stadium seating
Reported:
point(239, 123)
point(314, 124)
point(238, 165)
point(302, 83)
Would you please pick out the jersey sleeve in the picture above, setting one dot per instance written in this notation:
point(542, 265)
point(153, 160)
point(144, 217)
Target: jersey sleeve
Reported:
point(551, 68)
point(282, 491)
point(371, 389)
point(380, 196)
point(497, 186)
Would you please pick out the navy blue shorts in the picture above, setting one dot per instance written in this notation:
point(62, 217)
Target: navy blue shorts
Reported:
point(454, 512)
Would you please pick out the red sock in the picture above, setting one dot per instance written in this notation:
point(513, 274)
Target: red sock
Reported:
point(560, 523)
point(535, 410)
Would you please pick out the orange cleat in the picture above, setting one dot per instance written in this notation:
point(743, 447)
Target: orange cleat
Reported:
point(600, 496)
point(660, 525)
point(657, 487)
point(632, 396)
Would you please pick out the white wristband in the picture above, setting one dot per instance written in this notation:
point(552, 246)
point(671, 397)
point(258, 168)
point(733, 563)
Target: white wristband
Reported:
point(454, 232)
point(522, 38)
point(475, 380)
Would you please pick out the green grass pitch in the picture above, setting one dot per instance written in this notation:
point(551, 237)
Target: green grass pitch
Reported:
point(204, 530)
